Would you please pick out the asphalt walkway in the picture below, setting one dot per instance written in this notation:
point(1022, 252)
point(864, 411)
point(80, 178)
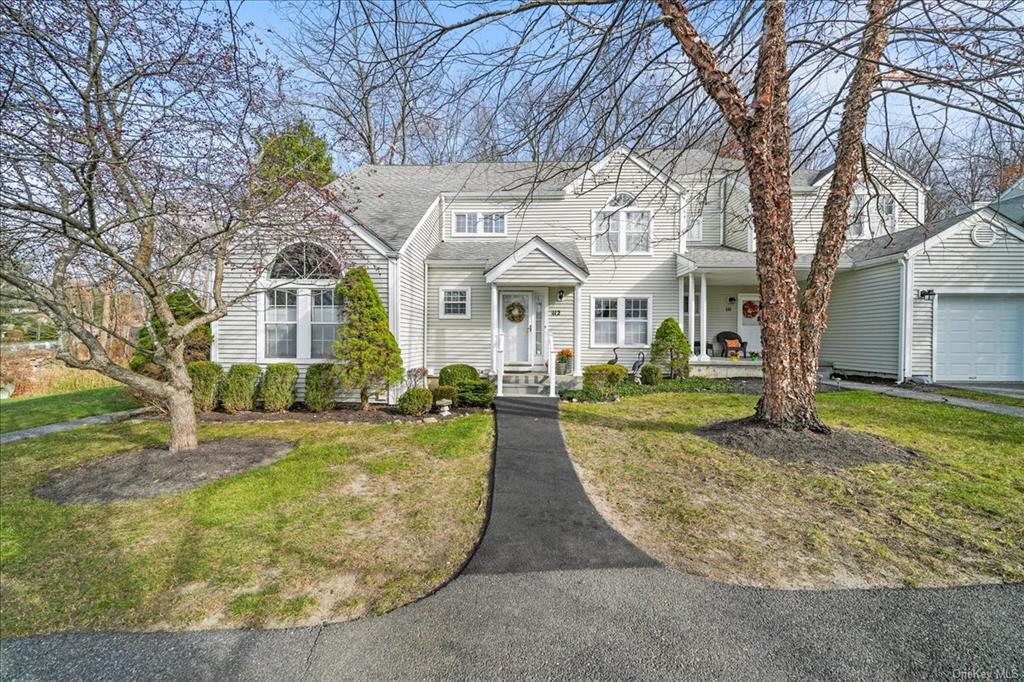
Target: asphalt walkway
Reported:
point(910, 394)
point(555, 593)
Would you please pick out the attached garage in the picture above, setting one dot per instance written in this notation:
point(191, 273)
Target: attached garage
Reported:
point(979, 337)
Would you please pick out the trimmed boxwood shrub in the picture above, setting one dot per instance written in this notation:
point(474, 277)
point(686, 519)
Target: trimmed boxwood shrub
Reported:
point(205, 376)
point(603, 376)
point(322, 383)
point(650, 375)
point(240, 388)
point(279, 386)
point(415, 401)
point(453, 374)
point(475, 393)
point(446, 393)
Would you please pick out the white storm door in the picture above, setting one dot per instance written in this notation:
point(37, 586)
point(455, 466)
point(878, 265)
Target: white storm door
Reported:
point(749, 328)
point(518, 349)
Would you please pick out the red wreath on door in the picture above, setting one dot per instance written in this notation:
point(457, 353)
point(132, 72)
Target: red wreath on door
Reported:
point(751, 309)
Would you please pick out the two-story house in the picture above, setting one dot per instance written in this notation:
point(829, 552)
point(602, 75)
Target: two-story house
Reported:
point(495, 264)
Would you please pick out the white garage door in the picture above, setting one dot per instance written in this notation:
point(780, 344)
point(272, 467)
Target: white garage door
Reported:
point(980, 338)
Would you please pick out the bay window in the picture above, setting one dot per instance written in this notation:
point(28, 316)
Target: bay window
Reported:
point(623, 321)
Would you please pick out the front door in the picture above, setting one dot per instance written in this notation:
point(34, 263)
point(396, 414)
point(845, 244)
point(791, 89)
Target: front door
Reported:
point(749, 321)
point(515, 323)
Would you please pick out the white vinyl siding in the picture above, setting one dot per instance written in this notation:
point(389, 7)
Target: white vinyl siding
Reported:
point(537, 269)
point(413, 286)
point(863, 328)
point(462, 340)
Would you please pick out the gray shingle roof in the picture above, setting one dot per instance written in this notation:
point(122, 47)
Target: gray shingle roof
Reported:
point(490, 252)
point(726, 257)
point(390, 200)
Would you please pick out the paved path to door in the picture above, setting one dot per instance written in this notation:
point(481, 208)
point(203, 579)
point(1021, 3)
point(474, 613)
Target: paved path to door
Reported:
point(553, 592)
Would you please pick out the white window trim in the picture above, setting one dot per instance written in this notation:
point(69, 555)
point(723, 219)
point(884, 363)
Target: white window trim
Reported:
point(596, 234)
point(303, 318)
point(480, 213)
point(620, 329)
point(863, 215)
point(441, 315)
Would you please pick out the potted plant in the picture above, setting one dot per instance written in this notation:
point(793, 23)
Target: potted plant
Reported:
point(563, 361)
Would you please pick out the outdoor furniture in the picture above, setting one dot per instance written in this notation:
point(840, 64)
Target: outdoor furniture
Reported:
point(722, 337)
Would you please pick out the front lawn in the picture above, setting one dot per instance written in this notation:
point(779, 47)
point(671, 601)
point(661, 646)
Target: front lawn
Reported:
point(954, 515)
point(24, 413)
point(357, 519)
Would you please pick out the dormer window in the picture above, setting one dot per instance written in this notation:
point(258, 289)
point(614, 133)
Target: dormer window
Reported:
point(479, 223)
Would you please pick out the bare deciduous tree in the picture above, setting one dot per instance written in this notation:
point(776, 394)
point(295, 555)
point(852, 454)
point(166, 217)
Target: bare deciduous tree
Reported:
point(128, 133)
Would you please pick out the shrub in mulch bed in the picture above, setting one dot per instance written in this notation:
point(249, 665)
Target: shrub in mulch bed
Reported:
point(342, 413)
point(279, 386)
point(240, 387)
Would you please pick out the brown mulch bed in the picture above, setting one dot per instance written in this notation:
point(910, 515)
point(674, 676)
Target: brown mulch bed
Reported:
point(344, 414)
point(840, 449)
point(152, 472)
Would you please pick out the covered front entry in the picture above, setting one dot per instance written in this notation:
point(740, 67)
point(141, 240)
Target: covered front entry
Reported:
point(524, 324)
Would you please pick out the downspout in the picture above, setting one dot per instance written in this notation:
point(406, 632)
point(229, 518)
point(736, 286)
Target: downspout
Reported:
point(901, 368)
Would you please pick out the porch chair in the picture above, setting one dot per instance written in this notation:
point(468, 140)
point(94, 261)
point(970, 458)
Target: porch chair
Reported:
point(724, 337)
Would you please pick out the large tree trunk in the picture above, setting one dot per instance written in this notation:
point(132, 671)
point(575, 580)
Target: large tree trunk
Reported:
point(180, 407)
point(183, 421)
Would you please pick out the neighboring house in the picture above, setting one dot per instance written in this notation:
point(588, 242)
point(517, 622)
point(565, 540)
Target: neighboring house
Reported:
point(594, 257)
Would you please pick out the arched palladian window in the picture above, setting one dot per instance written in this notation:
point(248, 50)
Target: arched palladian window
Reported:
point(622, 228)
point(305, 260)
point(300, 318)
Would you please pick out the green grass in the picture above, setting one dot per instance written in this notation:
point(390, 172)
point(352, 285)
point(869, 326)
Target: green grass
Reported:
point(24, 413)
point(983, 396)
point(955, 515)
point(357, 519)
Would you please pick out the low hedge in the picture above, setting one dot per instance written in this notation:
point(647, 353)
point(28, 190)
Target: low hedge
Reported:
point(594, 394)
point(279, 386)
point(453, 374)
point(446, 393)
point(240, 388)
point(604, 376)
point(650, 375)
point(206, 377)
point(322, 383)
point(475, 393)
point(416, 401)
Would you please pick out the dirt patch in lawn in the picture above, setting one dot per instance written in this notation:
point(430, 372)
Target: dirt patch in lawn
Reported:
point(839, 449)
point(344, 414)
point(152, 472)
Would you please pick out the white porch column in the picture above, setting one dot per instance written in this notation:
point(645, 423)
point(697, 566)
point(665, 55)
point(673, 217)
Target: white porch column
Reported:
point(494, 328)
point(692, 333)
point(704, 318)
point(576, 317)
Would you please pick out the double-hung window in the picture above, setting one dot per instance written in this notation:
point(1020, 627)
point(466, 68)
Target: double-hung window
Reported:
point(624, 321)
point(857, 220)
point(323, 322)
point(479, 223)
point(300, 311)
point(887, 212)
point(282, 316)
point(455, 303)
point(622, 230)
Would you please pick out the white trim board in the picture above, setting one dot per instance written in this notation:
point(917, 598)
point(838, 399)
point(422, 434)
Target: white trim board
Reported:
point(535, 244)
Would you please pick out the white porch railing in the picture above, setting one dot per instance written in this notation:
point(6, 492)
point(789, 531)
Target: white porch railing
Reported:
point(500, 362)
point(551, 366)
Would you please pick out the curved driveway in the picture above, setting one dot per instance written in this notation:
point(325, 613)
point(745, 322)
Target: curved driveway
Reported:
point(553, 592)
